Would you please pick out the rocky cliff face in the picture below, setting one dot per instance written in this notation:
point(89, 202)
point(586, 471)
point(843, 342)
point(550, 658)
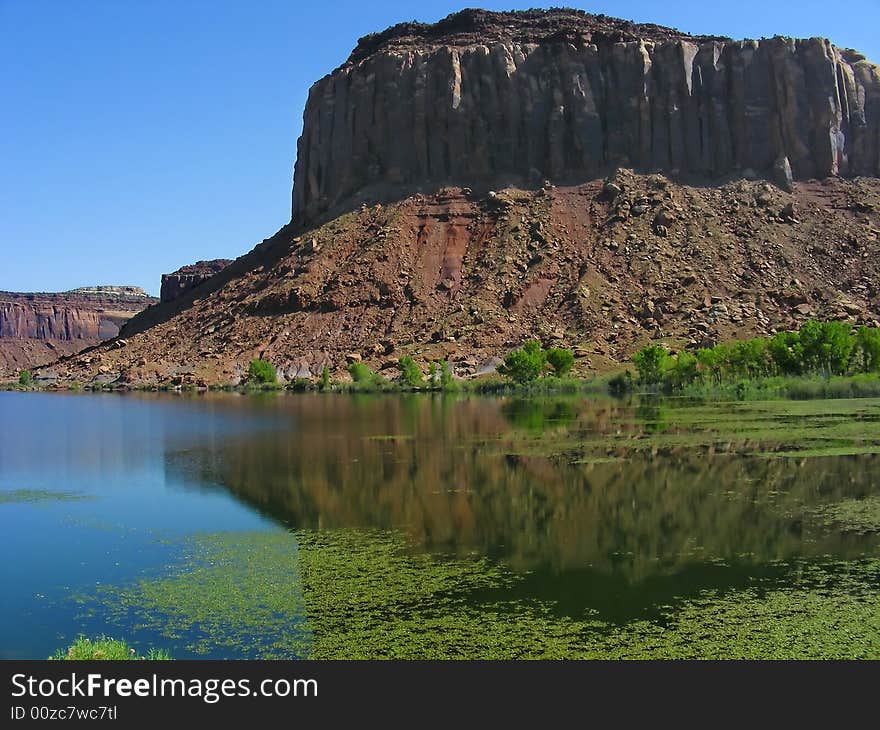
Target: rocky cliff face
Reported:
point(514, 98)
point(37, 328)
point(188, 277)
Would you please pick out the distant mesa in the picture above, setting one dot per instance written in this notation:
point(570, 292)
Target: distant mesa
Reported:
point(39, 327)
point(177, 283)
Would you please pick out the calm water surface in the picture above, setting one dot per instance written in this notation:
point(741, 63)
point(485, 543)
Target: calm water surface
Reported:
point(591, 509)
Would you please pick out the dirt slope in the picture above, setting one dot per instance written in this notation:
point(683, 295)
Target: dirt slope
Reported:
point(601, 267)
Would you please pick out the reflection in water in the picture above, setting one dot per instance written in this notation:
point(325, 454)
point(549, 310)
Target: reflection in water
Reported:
point(468, 527)
point(457, 478)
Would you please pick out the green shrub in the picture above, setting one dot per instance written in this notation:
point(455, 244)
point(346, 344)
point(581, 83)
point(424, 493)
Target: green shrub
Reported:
point(360, 373)
point(826, 346)
point(410, 373)
point(364, 378)
point(764, 364)
point(561, 360)
point(787, 353)
point(325, 378)
point(524, 364)
point(447, 380)
point(262, 372)
point(25, 378)
point(652, 362)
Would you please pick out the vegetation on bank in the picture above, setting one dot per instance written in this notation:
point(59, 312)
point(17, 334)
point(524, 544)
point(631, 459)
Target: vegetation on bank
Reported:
point(104, 648)
point(827, 359)
point(439, 378)
point(821, 359)
point(262, 372)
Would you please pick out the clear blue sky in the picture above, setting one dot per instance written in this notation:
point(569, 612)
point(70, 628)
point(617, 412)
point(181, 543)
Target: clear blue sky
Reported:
point(140, 135)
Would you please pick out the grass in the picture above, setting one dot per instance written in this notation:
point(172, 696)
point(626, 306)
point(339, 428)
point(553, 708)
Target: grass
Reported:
point(805, 387)
point(104, 648)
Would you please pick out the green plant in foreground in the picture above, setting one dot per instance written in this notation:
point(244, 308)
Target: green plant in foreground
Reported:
point(25, 378)
point(262, 372)
point(104, 648)
point(243, 592)
point(325, 378)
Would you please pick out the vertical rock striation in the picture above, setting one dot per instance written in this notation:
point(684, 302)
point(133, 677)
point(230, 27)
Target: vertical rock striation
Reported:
point(81, 314)
point(516, 97)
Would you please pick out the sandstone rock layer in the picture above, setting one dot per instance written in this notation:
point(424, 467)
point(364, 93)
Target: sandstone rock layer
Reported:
point(37, 328)
point(514, 98)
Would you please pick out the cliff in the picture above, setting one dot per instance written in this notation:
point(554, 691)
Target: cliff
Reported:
point(36, 328)
point(188, 277)
point(497, 99)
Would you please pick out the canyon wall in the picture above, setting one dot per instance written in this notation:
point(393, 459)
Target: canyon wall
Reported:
point(514, 98)
point(36, 328)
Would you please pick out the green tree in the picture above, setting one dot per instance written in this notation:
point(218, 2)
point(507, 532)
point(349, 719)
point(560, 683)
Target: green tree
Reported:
point(827, 346)
point(25, 378)
point(652, 362)
point(712, 361)
point(683, 370)
point(525, 364)
point(325, 378)
point(561, 360)
point(786, 353)
point(867, 349)
point(410, 373)
point(749, 358)
point(261, 371)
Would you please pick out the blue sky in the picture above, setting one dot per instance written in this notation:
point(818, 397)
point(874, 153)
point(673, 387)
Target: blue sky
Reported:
point(140, 135)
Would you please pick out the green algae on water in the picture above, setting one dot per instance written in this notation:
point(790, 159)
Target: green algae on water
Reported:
point(33, 496)
point(861, 516)
point(366, 594)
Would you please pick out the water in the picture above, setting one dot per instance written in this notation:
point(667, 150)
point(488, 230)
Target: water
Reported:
point(323, 525)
